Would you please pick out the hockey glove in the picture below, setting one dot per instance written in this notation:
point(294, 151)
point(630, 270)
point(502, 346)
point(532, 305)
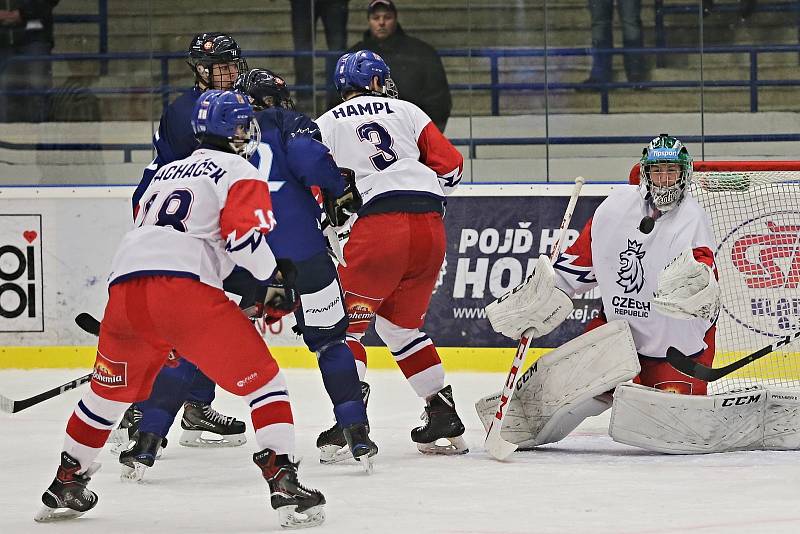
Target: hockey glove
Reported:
point(282, 297)
point(339, 209)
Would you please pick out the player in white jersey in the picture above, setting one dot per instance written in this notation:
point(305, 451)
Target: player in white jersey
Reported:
point(649, 250)
point(198, 217)
point(404, 168)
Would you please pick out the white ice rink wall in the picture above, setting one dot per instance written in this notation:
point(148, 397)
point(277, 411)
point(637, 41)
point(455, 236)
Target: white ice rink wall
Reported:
point(56, 246)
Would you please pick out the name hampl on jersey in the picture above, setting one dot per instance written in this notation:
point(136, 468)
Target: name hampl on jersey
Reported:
point(359, 108)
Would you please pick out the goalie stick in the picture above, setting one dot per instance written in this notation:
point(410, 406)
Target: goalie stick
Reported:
point(88, 324)
point(689, 366)
point(494, 444)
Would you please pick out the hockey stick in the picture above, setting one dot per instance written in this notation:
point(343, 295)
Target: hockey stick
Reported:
point(495, 445)
point(13, 406)
point(689, 366)
point(88, 324)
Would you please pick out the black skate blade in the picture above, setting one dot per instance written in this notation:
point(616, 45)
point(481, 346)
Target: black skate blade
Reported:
point(366, 463)
point(133, 473)
point(194, 438)
point(289, 518)
point(50, 515)
point(333, 454)
point(456, 446)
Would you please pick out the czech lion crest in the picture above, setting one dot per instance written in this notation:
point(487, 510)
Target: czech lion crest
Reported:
point(631, 272)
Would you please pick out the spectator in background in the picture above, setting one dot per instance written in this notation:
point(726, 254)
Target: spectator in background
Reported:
point(416, 68)
point(304, 23)
point(602, 12)
point(26, 29)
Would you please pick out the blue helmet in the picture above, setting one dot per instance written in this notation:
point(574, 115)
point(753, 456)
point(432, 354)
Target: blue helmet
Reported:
point(225, 119)
point(354, 72)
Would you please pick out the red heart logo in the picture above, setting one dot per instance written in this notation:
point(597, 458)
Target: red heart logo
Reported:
point(30, 235)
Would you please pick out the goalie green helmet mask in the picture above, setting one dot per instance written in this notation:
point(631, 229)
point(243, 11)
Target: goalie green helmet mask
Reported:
point(664, 151)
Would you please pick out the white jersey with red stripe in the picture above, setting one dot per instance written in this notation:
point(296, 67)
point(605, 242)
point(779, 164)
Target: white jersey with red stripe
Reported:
point(624, 263)
point(198, 218)
point(392, 146)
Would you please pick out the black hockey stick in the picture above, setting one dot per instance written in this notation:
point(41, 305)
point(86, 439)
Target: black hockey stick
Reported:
point(689, 366)
point(13, 406)
point(88, 324)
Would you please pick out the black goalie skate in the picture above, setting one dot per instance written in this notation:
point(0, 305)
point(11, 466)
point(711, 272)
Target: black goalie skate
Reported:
point(361, 447)
point(139, 456)
point(198, 418)
point(67, 497)
point(297, 506)
point(331, 443)
point(441, 422)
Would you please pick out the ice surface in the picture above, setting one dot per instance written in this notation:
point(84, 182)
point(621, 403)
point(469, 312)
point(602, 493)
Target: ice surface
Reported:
point(586, 483)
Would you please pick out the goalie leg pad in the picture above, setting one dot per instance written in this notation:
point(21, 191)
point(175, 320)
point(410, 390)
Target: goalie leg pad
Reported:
point(748, 419)
point(565, 386)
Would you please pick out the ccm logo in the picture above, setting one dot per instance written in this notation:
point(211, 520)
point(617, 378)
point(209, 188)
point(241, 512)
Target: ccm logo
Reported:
point(241, 383)
point(526, 375)
point(739, 401)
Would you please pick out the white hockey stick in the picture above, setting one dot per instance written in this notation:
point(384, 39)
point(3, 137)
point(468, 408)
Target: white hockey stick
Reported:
point(495, 445)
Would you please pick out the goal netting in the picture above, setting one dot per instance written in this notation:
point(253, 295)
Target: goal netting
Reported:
point(755, 212)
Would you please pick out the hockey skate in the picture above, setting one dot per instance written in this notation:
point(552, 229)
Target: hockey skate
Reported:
point(67, 497)
point(297, 506)
point(124, 436)
point(331, 443)
point(125, 432)
point(198, 418)
point(441, 422)
point(361, 447)
point(139, 456)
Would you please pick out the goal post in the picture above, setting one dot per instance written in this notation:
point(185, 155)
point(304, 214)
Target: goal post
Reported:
point(754, 208)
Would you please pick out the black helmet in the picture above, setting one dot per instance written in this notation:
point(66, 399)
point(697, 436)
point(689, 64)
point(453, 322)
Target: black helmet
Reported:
point(214, 48)
point(266, 88)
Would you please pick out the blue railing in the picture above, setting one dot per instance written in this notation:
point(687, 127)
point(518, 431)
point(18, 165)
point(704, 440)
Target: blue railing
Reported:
point(473, 143)
point(495, 87)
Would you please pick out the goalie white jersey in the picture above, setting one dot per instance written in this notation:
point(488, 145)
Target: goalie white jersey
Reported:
point(198, 218)
point(613, 254)
point(392, 146)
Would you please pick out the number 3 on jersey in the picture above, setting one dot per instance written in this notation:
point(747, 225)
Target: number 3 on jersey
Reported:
point(374, 133)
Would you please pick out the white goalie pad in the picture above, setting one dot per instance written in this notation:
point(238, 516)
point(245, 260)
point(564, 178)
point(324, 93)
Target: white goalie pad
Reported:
point(687, 289)
point(749, 419)
point(565, 386)
point(536, 303)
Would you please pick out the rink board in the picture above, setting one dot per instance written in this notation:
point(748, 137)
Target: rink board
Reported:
point(56, 245)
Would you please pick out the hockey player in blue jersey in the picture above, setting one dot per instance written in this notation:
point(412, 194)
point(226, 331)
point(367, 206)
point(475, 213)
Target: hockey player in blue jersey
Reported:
point(291, 142)
point(295, 162)
point(216, 60)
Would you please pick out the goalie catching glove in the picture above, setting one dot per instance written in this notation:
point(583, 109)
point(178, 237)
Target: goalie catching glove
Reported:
point(687, 289)
point(536, 303)
point(339, 209)
point(280, 296)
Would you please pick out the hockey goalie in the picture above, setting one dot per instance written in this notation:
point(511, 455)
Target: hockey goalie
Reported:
point(648, 249)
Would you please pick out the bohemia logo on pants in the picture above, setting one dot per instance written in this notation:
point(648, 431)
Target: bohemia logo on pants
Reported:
point(109, 373)
point(360, 309)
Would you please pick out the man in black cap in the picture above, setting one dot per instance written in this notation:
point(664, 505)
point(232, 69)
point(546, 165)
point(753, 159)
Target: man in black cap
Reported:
point(416, 68)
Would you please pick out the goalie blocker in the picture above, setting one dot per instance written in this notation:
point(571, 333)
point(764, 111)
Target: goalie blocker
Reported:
point(565, 386)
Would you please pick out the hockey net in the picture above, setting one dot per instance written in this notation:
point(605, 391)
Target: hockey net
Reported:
point(755, 213)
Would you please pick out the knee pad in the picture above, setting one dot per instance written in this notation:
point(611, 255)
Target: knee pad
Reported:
point(400, 340)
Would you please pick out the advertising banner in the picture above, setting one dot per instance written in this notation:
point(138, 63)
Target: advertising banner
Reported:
point(492, 245)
